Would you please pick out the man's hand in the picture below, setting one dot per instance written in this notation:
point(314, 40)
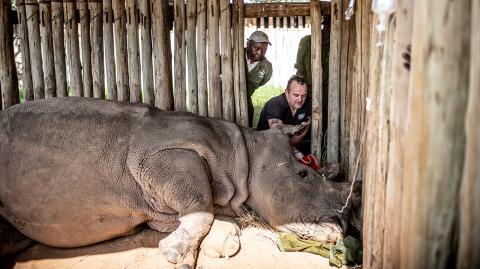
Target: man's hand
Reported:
point(273, 123)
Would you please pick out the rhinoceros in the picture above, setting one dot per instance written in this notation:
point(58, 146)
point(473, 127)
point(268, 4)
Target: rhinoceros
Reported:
point(77, 171)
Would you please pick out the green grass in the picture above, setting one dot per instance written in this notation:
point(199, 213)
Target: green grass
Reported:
point(260, 97)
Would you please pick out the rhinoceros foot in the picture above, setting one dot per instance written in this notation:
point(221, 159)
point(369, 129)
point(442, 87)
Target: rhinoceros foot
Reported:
point(223, 238)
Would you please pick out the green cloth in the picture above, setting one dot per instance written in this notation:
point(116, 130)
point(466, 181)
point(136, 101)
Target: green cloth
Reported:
point(345, 252)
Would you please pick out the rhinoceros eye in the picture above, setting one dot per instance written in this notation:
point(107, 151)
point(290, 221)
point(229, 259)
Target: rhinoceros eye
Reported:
point(302, 173)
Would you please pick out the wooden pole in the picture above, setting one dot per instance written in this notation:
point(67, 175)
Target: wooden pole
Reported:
point(162, 56)
point(192, 56)
point(227, 67)
point(316, 16)
point(469, 228)
point(133, 51)
point(8, 72)
point(435, 144)
point(108, 49)
point(146, 43)
point(202, 57)
point(120, 21)
point(59, 49)
point(333, 131)
point(73, 49)
point(32, 12)
point(258, 10)
point(47, 49)
point(97, 50)
point(179, 55)
point(214, 90)
point(26, 64)
point(240, 83)
point(86, 48)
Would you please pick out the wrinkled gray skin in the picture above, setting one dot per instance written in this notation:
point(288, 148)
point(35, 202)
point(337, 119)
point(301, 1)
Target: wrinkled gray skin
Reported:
point(77, 171)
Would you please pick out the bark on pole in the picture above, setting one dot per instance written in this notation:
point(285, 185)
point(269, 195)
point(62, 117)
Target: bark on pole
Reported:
point(26, 64)
point(32, 12)
point(47, 49)
point(73, 48)
point(179, 55)
point(8, 72)
point(59, 56)
point(192, 56)
point(240, 86)
point(469, 227)
point(214, 90)
point(146, 43)
point(120, 21)
point(435, 145)
point(133, 51)
point(86, 48)
point(226, 60)
point(97, 50)
point(202, 57)
point(108, 49)
point(316, 17)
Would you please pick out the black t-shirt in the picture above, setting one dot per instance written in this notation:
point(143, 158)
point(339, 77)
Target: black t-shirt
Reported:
point(278, 108)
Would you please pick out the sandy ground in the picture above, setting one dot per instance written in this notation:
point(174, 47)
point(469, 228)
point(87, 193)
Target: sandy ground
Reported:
point(258, 250)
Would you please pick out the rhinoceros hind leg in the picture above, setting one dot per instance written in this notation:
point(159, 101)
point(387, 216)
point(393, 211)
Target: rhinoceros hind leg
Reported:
point(223, 239)
point(11, 240)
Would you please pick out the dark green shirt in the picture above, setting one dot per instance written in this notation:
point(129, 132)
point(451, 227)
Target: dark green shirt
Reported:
point(258, 76)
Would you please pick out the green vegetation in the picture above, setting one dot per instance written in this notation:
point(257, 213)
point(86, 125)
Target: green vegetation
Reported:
point(260, 97)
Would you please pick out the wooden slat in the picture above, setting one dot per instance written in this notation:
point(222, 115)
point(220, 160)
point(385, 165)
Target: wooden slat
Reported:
point(192, 56)
point(120, 21)
point(26, 64)
point(226, 60)
point(35, 49)
point(202, 57)
point(47, 49)
point(435, 144)
point(240, 85)
point(86, 48)
point(146, 43)
point(179, 55)
point(59, 48)
point(469, 226)
point(255, 10)
point(162, 55)
point(133, 51)
point(73, 48)
point(8, 73)
point(214, 90)
point(97, 50)
point(110, 73)
point(316, 16)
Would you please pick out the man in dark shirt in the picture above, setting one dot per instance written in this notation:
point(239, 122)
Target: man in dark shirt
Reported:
point(292, 107)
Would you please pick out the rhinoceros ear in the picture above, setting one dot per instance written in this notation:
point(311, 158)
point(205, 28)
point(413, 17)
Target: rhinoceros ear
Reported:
point(293, 129)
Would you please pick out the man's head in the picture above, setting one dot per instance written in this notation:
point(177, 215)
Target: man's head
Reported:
point(296, 92)
point(257, 45)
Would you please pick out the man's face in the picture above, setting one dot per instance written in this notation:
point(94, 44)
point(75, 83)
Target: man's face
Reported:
point(256, 51)
point(297, 95)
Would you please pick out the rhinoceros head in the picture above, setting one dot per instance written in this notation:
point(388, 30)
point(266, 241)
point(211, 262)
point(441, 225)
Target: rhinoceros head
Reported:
point(291, 196)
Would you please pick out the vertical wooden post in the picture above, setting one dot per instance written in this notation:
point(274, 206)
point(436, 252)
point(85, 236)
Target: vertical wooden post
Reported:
point(214, 90)
point(316, 16)
point(162, 56)
point(435, 144)
point(120, 21)
point(333, 131)
point(73, 49)
point(192, 56)
point(47, 48)
point(226, 60)
point(86, 48)
point(469, 228)
point(97, 50)
point(26, 64)
point(35, 49)
point(108, 49)
point(240, 83)
point(179, 54)
point(59, 48)
point(8, 72)
point(146, 43)
point(202, 57)
point(133, 51)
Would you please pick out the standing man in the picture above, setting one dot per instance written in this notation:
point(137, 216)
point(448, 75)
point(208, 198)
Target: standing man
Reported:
point(292, 107)
point(258, 68)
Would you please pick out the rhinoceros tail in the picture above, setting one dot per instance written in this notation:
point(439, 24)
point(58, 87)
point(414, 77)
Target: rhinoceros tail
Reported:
point(11, 241)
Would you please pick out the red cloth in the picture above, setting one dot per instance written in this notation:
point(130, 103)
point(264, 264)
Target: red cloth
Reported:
point(310, 160)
